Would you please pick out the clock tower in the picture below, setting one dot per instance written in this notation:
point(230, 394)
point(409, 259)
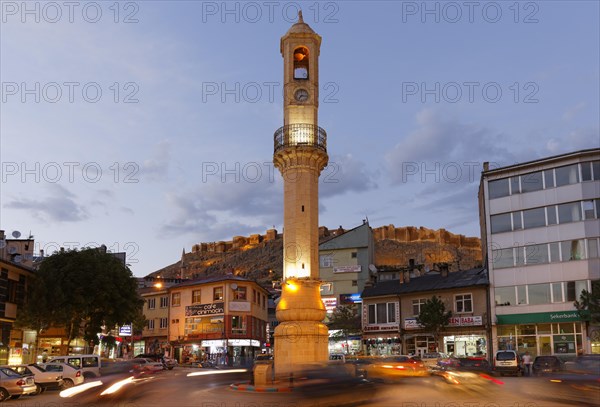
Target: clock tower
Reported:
point(300, 154)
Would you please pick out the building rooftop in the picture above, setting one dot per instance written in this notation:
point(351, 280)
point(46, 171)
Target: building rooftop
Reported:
point(431, 281)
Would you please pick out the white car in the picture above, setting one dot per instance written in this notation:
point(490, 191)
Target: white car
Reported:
point(145, 365)
point(72, 376)
point(43, 378)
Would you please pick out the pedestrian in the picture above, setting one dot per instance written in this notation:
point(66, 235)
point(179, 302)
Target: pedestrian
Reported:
point(527, 362)
point(45, 356)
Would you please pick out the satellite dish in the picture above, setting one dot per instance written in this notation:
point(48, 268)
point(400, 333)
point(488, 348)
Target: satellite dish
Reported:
point(373, 268)
point(12, 250)
point(18, 258)
point(234, 286)
point(16, 234)
point(2, 244)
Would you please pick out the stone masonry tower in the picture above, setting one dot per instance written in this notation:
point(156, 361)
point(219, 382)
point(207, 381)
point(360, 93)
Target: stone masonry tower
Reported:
point(300, 155)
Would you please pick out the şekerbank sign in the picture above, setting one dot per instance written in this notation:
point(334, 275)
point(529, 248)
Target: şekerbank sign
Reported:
point(540, 317)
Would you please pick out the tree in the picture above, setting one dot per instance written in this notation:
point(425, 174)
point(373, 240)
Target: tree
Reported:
point(589, 303)
point(346, 319)
point(434, 317)
point(81, 290)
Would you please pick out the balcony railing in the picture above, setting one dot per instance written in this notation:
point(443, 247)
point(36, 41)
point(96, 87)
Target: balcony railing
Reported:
point(300, 134)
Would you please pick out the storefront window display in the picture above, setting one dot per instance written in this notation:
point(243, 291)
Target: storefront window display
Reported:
point(541, 339)
point(465, 345)
point(383, 346)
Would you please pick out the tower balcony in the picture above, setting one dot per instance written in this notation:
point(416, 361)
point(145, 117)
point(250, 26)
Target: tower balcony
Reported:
point(300, 135)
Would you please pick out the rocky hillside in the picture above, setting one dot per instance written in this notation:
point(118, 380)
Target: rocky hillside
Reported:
point(260, 256)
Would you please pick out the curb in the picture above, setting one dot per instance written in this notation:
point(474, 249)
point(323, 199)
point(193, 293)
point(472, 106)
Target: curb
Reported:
point(259, 389)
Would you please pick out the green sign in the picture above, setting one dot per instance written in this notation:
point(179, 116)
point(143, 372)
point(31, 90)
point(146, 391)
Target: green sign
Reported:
point(539, 317)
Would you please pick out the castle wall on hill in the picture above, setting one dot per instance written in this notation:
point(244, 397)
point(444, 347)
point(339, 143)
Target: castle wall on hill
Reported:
point(413, 234)
point(405, 234)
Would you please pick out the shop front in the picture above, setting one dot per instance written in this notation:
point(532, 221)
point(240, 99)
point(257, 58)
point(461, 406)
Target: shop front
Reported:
point(382, 340)
point(545, 333)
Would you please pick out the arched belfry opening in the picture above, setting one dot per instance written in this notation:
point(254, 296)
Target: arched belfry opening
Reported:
point(301, 63)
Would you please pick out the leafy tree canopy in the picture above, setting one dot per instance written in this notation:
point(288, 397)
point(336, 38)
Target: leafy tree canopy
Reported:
point(434, 317)
point(345, 318)
point(81, 290)
point(589, 303)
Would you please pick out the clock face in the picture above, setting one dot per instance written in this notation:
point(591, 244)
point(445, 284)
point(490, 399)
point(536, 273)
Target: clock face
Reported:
point(301, 95)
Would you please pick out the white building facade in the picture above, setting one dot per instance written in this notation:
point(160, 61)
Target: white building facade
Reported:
point(541, 233)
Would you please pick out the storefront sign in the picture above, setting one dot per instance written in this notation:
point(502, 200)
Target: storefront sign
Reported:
point(350, 298)
point(411, 323)
point(239, 306)
point(204, 309)
point(330, 303)
point(539, 317)
point(347, 269)
point(244, 342)
point(382, 327)
point(125, 330)
point(214, 342)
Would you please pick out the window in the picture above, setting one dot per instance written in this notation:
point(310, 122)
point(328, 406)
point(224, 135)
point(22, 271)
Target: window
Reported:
point(596, 170)
point(567, 175)
point(151, 303)
point(557, 292)
point(574, 289)
point(539, 294)
point(464, 303)
point(354, 255)
point(514, 185)
point(505, 296)
point(586, 171)
point(326, 260)
point(164, 323)
point(196, 297)
point(239, 294)
point(11, 291)
point(517, 222)
point(549, 179)
point(164, 302)
point(534, 218)
point(382, 313)
point(588, 209)
point(301, 58)
point(417, 304)
point(238, 325)
point(218, 294)
point(498, 188)
point(536, 254)
point(592, 248)
point(551, 212)
point(572, 250)
point(354, 283)
point(176, 299)
point(150, 324)
point(532, 182)
point(554, 252)
point(503, 258)
point(501, 223)
point(569, 212)
point(522, 294)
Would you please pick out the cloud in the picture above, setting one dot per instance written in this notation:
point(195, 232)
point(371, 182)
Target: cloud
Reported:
point(445, 151)
point(578, 139)
point(59, 206)
point(345, 173)
point(571, 112)
point(157, 167)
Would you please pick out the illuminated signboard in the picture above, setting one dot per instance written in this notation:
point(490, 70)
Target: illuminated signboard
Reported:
point(204, 309)
point(330, 303)
point(350, 298)
point(125, 330)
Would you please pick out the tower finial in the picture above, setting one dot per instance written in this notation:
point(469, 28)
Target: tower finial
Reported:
point(300, 19)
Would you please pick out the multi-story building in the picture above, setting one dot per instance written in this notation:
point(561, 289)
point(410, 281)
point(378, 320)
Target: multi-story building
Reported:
point(390, 309)
point(222, 318)
point(540, 230)
point(345, 265)
point(16, 345)
point(156, 310)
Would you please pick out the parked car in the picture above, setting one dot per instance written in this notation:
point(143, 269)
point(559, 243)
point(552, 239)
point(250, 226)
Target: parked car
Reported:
point(546, 364)
point(145, 365)
point(71, 375)
point(508, 362)
point(168, 363)
point(394, 367)
point(43, 379)
point(14, 385)
point(431, 359)
point(89, 364)
point(474, 364)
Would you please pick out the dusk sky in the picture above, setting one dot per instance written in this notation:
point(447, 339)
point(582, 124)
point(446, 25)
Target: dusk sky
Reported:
point(148, 126)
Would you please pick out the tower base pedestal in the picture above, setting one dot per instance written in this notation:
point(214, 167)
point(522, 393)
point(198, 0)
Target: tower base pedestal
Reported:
point(301, 337)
